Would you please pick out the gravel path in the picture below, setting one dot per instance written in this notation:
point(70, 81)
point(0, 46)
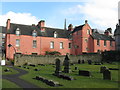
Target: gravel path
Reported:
point(20, 82)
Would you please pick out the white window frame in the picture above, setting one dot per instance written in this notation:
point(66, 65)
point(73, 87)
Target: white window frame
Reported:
point(17, 42)
point(34, 34)
point(34, 44)
point(17, 32)
point(52, 45)
point(61, 45)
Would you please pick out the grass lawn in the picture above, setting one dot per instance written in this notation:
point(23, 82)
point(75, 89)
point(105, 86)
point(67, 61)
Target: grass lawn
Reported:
point(95, 81)
point(8, 73)
point(8, 84)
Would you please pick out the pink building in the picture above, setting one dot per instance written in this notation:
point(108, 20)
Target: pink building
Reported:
point(37, 39)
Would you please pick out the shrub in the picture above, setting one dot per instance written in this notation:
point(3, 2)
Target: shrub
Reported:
point(52, 53)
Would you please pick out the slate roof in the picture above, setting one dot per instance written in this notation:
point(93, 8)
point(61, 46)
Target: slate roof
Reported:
point(2, 29)
point(24, 29)
point(78, 28)
point(101, 36)
point(28, 29)
point(61, 33)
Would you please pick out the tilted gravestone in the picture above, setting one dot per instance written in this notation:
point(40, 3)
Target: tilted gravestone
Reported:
point(79, 61)
point(84, 73)
point(102, 69)
point(66, 64)
point(83, 61)
point(107, 75)
point(58, 67)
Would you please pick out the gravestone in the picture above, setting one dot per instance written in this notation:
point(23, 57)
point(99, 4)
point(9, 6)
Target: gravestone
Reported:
point(76, 68)
point(79, 61)
point(89, 62)
point(107, 74)
point(58, 67)
point(84, 73)
point(66, 64)
point(83, 61)
point(102, 69)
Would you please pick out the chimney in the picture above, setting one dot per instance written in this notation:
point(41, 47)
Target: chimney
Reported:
point(70, 27)
point(41, 25)
point(86, 21)
point(110, 30)
point(8, 24)
point(33, 24)
point(107, 32)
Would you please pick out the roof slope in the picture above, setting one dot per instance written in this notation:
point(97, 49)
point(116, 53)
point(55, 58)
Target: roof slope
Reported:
point(101, 36)
point(78, 28)
point(24, 29)
point(2, 29)
point(61, 33)
point(49, 32)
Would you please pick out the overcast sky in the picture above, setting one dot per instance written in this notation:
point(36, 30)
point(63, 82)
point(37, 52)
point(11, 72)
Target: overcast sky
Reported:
point(101, 14)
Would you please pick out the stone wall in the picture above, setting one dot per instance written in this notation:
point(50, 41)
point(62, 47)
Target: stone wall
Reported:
point(24, 59)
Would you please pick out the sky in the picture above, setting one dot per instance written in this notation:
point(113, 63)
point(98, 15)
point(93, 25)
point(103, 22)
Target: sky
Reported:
point(101, 14)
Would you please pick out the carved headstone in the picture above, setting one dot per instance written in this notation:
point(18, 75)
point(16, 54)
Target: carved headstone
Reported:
point(84, 73)
point(66, 64)
point(58, 67)
point(107, 74)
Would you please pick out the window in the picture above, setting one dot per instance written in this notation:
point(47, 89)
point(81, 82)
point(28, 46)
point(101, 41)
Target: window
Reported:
point(17, 31)
point(61, 45)
point(104, 42)
point(34, 34)
point(70, 45)
point(52, 45)
point(55, 34)
point(110, 43)
point(34, 43)
point(88, 31)
point(17, 42)
point(3, 35)
point(98, 42)
point(34, 53)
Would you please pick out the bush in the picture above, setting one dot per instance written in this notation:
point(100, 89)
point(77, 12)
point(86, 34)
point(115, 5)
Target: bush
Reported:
point(52, 53)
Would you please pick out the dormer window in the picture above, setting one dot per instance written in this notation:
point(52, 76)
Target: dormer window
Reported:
point(55, 34)
point(17, 31)
point(34, 34)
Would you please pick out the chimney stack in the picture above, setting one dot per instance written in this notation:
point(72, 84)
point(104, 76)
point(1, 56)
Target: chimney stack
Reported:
point(86, 21)
point(70, 27)
point(41, 25)
point(8, 24)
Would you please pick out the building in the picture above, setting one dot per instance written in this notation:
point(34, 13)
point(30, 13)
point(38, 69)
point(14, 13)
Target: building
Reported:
point(2, 38)
point(37, 39)
point(117, 36)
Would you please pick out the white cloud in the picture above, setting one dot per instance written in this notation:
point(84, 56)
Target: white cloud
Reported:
point(20, 18)
point(101, 13)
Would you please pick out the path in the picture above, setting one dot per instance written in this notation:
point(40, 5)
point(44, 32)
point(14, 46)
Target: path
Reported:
point(20, 82)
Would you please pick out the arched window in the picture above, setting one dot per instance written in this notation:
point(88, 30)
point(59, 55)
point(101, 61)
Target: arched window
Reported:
point(34, 33)
point(55, 34)
point(17, 32)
